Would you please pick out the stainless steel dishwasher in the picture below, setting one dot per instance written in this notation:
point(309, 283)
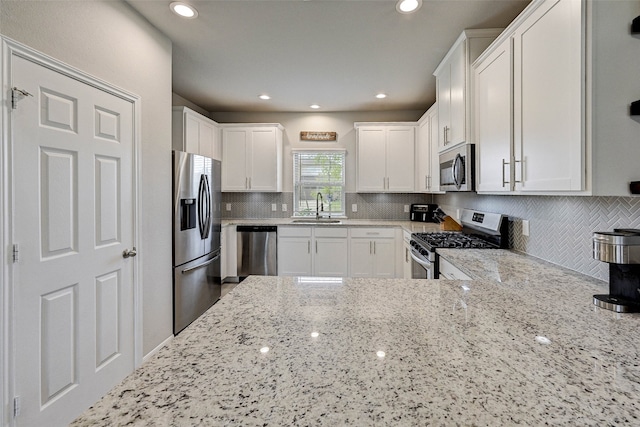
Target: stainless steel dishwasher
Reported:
point(257, 250)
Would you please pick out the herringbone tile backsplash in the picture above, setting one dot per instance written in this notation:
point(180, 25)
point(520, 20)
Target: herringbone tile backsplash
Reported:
point(369, 206)
point(561, 227)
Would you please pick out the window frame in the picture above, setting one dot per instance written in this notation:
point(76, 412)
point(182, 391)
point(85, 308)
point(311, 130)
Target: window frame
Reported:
point(299, 185)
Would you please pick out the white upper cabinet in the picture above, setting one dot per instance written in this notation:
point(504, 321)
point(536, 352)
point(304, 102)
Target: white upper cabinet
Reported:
point(493, 82)
point(252, 157)
point(453, 86)
point(194, 133)
point(567, 129)
point(427, 170)
point(547, 103)
point(385, 157)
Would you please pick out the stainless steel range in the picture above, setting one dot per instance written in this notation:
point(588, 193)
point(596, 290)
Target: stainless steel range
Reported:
point(480, 230)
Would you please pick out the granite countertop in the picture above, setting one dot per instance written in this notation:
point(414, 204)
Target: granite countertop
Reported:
point(521, 344)
point(410, 226)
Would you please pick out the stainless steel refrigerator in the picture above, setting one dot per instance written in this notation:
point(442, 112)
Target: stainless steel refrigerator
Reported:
point(196, 237)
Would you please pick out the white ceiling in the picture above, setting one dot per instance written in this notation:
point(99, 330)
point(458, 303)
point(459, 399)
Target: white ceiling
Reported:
point(336, 53)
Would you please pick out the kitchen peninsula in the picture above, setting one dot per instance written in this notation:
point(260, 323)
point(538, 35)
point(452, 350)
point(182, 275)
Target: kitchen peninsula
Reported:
point(520, 344)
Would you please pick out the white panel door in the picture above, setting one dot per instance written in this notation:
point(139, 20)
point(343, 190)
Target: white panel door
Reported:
point(294, 256)
point(331, 257)
point(192, 134)
point(264, 162)
point(205, 132)
point(371, 159)
point(401, 159)
point(457, 112)
point(361, 257)
point(547, 97)
point(73, 218)
point(384, 258)
point(493, 124)
point(234, 159)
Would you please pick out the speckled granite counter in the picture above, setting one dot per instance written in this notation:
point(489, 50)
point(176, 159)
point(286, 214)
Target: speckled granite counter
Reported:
point(412, 227)
point(455, 353)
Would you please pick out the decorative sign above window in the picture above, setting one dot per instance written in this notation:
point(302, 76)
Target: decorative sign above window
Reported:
point(318, 136)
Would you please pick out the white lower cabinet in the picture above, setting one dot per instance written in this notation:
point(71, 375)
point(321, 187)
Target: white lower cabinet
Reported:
point(373, 252)
point(450, 271)
point(228, 252)
point(331, 254)
point(407, 261)
point(337, 251)
point(313, 251)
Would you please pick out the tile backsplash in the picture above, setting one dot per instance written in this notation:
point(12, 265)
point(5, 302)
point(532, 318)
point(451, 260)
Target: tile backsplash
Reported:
point(561, 227)
point(369, 206)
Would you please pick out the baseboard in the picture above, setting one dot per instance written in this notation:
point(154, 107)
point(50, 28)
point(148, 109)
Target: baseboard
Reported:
point(157, 349)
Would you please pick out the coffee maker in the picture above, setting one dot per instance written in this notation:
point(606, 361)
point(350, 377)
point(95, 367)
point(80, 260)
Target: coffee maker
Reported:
point(621, 249)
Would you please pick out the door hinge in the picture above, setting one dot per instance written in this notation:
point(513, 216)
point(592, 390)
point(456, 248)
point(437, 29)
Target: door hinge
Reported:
point(16, 406)
point(16, 253)
point(16, 95)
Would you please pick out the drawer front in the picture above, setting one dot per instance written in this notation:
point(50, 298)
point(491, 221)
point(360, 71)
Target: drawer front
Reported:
point(294, 231)
point(331, 231)
point(372, 233)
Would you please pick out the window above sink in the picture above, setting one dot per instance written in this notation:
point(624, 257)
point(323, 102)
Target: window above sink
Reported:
point(319, 184)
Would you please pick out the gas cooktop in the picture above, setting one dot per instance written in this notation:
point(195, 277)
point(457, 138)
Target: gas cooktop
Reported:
point(452, 239)
point(480, 230)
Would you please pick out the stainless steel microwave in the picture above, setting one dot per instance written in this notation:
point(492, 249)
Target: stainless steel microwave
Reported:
point(457, 169)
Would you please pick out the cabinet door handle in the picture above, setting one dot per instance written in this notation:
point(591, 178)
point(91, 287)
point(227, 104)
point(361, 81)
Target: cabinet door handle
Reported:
point(521, 180)
point(316, 246)
point(308, 246)
point(370, 247)
point(504, 182)
point(249, 183)
point(406, 255)
point(374, 247)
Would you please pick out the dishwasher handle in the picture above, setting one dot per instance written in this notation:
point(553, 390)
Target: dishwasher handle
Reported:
point(257, 228)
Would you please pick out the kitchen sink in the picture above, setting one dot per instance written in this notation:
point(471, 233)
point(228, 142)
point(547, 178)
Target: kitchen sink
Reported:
point(316, 221)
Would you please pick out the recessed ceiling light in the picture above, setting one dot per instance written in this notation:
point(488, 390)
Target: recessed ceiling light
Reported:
point(184, 10)
point(314, 106)
point(381, 95)
point(265, 97)
point(408, 6)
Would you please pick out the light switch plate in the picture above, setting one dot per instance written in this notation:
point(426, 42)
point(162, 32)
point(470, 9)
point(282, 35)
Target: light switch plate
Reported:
point(284, 207)
point(274, 207)
point(228, 206)
point(525, 227)
point(406, 208)
point(354, 208)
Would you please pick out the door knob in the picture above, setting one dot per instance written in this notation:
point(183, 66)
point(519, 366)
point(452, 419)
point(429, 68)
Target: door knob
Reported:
point(129, 253)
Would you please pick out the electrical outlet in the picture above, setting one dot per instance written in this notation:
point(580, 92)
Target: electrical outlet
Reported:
point(458, 214)
point(274, 207)
point(406, 208)
point(525, 227)
point(284, 207)
point(228, 206)
point(354, 208)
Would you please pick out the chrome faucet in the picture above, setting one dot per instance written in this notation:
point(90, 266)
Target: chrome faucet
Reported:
point(321, 205)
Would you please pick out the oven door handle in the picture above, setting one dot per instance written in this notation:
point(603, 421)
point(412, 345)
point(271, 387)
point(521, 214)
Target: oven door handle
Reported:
point(422, 262)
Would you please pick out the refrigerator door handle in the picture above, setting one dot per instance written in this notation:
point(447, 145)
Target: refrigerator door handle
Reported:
point(207, 223)
point(204, 264)
point(201, 224)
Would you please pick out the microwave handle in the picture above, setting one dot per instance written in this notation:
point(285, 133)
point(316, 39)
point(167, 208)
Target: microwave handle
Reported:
point(457, 163)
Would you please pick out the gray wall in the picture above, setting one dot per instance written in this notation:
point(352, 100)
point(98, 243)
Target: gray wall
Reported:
point(109, 40)
point(561, 227)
